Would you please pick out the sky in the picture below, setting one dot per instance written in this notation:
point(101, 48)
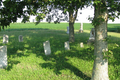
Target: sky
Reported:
point(86, 13)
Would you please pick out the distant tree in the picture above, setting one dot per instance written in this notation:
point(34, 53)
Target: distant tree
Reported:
point(70, 6)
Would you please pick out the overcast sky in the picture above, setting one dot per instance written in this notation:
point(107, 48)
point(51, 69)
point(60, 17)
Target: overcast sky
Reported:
point(86, 12)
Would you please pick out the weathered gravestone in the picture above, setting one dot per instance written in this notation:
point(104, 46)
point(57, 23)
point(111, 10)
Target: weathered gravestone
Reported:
point(20, 38)
point(66, 44)
point(67, 30)
point(3, 56)
point(5, 38)
point(81, 28)
point(92, 36)
point(47, 48)
point(81, 44)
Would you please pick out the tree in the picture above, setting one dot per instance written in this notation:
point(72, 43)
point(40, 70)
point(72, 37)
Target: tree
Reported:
point(39, 8)
point(72, 7)
point(10, 11)
point(13, 9)
point(104, 10)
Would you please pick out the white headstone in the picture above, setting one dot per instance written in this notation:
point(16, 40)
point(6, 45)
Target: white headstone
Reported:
point(20, 38)
point(67, 30)
point(81, 44)
point(66, 44)
point(3, 56)
point(81, 28)
point(5, 38)
point(92, 34)
point(47, 48)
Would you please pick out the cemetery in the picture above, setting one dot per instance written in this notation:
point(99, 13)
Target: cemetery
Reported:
point(43, 52)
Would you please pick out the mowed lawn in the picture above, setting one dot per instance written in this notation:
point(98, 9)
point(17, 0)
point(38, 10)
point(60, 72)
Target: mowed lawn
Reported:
point(27, 61)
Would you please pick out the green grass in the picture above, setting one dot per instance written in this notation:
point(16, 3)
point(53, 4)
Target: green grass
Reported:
point(27, 61)
point(61, 26)
point(113, 27)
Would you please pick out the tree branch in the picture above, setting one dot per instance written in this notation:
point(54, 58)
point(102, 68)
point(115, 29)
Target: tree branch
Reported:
point(75, 15)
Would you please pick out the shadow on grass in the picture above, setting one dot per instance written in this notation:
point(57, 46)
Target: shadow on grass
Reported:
point(60, 63)
point(33, 43)
point(11, 63)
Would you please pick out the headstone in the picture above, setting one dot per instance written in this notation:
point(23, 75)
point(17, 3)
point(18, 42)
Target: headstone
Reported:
point(47, 48)
point(67, 30)
point(3, 56)
point(66, 44)
point(81, 28)
point(92, 36)
point(20, 38)
point(81, 44)
point(5, 38)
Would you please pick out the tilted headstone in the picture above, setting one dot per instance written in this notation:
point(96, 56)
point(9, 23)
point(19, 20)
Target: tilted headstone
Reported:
point(47, 48)
point(5, 38)
point(3, 56)
point(81, 28)
point(92, 34)
point(20, 38)
point(66, 44)
point(67, 30)
point(81, 44)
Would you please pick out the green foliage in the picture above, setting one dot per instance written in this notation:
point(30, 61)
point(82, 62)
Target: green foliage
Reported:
point(114, 6)
point(25, 19)
point(109, 53)
point(40, 16)
point(111, 7)
point(13, 9)
point(97, 21)
point(107, 38)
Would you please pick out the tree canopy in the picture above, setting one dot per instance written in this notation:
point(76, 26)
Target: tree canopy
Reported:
point(10, 10)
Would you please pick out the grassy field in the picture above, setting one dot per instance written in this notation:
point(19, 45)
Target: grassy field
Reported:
point(27, 61)
point(61, 26)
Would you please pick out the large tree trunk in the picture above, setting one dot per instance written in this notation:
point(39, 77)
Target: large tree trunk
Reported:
point(71, 27)
point(100, 68)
